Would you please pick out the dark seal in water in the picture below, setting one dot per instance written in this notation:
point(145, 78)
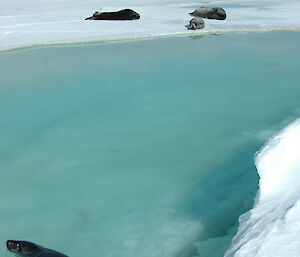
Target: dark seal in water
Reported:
point(28, 249)
point(126, 14)
point(210, 13)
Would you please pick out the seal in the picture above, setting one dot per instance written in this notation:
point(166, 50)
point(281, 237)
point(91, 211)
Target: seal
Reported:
point(196, 23)
point(216, 13)
point(28, 249)
point(125, 14)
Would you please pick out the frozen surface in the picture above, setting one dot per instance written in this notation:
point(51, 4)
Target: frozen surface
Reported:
point(29, 22)
point(272, 227)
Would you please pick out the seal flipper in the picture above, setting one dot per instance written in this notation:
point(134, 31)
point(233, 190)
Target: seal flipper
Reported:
point(192, 27)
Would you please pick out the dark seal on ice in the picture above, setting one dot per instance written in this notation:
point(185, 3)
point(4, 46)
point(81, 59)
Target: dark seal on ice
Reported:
point(210, 13)
point(126, 14)
point(28, 249)
point(196, 23)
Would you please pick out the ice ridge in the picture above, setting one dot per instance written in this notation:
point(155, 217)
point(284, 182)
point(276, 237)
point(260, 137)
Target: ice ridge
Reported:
point(272, 227)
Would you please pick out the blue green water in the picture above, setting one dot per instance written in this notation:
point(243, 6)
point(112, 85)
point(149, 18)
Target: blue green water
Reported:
point(140, 148)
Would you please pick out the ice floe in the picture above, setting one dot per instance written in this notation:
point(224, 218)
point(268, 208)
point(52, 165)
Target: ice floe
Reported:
point(31, 23)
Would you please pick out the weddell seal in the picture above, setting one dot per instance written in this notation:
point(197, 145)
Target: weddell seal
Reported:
point(196, 23)
point(210, 13)
point(125, 14)
point(28, 249)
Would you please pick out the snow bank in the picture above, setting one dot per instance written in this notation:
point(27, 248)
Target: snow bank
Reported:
point(29, 22)
point(272, 227)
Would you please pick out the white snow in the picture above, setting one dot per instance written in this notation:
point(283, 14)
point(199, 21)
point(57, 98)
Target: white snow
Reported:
point(272, 227)
point(29, 23)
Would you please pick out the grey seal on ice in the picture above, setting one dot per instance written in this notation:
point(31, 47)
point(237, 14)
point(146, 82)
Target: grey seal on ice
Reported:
point(196, 23)
point(216, 13)
point(125, 14)
point(28, 249)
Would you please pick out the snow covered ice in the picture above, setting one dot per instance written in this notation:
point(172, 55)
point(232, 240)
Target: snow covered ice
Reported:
point(272, 227)
point(31, 23)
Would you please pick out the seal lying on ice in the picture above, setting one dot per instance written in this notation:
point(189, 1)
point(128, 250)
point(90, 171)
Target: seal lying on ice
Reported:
point(125, 14)
point(196, 23)
point(210, 13)
point(28, 249)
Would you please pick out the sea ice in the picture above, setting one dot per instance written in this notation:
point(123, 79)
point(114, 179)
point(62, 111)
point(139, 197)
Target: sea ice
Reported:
point(30, 23)
point(272, 227)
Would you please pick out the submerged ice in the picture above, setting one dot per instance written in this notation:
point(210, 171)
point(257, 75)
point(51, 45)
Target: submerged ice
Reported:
point(272, 227)
point(120, 150)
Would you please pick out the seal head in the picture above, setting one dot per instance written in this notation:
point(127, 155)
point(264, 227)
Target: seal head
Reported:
point(22, 247)
point(28, 249)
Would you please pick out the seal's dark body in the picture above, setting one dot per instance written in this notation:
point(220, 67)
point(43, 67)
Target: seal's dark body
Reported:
point(28, 249)
point(45, 252)
point(126, 14)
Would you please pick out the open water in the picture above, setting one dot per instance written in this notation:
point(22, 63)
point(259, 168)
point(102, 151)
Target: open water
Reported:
point(140, 148)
